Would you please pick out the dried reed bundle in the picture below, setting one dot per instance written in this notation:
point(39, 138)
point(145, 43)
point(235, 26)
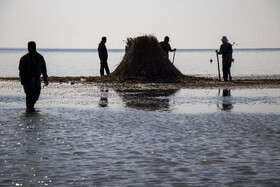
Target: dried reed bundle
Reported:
point(145, 59)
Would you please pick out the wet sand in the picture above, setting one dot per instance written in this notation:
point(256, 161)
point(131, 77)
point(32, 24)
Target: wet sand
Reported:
point(193, 82)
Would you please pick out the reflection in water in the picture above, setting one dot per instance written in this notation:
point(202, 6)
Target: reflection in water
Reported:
point(103, 102)
point(227, 104)
point(226, 101)
point(147, 99)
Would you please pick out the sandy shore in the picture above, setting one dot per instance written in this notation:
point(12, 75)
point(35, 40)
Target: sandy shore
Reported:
point(184, 82)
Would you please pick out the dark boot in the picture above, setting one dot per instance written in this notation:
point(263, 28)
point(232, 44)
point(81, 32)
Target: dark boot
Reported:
point(30, 106)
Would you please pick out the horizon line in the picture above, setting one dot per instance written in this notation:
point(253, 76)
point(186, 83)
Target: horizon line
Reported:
point(179, 49)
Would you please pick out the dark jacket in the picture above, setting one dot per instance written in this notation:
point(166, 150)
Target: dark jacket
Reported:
point(166, 47)
point(102, 52)
point(31, 66)
point(226, 50)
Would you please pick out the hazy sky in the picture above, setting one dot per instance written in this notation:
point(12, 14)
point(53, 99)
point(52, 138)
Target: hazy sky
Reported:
point(189, 23)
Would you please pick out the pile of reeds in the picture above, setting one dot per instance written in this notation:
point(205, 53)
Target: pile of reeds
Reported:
point(145, 59)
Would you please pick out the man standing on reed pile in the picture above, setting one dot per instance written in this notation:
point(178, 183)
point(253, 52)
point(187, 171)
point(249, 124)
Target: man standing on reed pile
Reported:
point(166, 46)
point(103, 56)
point(31, 66)
point(226, 52)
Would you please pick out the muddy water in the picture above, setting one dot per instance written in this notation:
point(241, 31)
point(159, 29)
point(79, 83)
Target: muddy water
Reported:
point(83, 135)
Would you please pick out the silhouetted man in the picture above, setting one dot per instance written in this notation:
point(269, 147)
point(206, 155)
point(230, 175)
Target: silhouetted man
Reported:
point(226, 52)
point(166, 46)
point(103, 56)
point(31, 66)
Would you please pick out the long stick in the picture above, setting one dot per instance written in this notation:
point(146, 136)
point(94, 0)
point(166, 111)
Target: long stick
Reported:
point(173, 57)
point(218, 67)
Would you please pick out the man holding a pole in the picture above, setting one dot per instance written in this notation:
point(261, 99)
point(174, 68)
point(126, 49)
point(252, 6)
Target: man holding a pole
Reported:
point(166, 46)
point(226, 52)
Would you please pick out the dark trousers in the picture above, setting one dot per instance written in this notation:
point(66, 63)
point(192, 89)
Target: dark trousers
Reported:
point(104, 65)
point(226, 68)
point(32, 90)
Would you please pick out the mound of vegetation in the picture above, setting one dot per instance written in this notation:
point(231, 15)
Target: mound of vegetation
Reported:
point(144, 59)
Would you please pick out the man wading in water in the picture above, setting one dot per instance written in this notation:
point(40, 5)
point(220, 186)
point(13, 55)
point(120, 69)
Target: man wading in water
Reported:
point(103, 56)
point(31, 66)
point(226, 52)
point(166, 46)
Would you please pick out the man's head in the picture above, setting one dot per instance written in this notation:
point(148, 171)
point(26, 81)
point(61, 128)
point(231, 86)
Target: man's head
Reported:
point(104, 39)
point(224, 39)
point(166, 39)
point(31, 47)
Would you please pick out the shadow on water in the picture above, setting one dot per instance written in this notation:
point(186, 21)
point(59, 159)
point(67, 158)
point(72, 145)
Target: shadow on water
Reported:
point(34, 120)
point(150, 100)
point(226, 104)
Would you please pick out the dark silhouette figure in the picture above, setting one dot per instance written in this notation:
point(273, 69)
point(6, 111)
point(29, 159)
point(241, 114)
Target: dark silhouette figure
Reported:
point(103, 56)
point(226, 52)
point(166, 46)
point(31, 66)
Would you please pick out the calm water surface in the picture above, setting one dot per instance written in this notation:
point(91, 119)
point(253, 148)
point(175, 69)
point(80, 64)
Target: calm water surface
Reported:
point(85, 62)
point(83, 135)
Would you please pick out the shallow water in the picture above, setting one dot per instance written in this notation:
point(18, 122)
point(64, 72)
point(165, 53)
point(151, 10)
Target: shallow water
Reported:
point(85, 62)
point(83, 135)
